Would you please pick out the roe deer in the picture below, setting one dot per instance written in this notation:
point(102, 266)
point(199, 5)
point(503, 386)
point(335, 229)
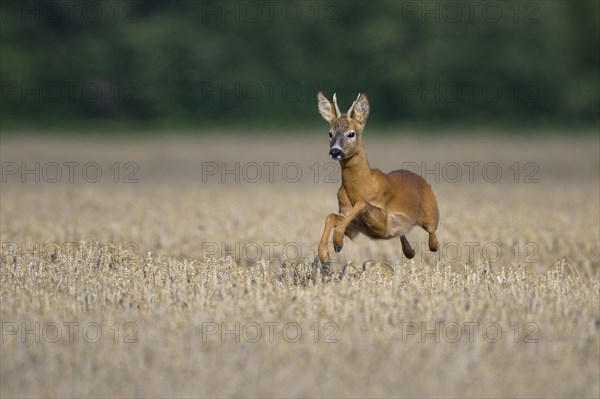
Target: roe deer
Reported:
point(379, 205)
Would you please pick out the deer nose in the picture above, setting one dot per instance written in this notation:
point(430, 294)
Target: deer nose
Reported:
point(336, 153)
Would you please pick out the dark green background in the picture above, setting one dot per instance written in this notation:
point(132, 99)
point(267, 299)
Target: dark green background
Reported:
point(205, 64)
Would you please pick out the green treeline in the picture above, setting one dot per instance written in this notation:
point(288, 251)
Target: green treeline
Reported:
point(237, 62)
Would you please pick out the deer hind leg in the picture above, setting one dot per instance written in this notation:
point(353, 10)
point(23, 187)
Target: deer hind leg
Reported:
point(332, 221)
point(433, 242)
point(430, 217)
point(408, 251)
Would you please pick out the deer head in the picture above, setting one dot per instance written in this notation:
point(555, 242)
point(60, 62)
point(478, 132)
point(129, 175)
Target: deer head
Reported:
point(345, 133)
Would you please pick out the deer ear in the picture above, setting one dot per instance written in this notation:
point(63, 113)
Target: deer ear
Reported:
point(326, 108)
point(360, 109)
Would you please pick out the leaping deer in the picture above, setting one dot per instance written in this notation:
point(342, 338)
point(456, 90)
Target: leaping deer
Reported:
point(379, 205)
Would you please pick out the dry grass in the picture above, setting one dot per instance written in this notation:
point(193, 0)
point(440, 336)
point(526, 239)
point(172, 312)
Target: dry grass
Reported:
point(175, 258)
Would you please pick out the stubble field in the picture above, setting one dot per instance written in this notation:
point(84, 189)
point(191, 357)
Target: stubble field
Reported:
point(185, 268)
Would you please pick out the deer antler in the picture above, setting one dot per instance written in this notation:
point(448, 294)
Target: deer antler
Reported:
point(337, 109)
point(352, 106)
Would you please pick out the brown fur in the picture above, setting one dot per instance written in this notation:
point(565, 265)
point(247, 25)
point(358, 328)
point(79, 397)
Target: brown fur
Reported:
point(378, 205)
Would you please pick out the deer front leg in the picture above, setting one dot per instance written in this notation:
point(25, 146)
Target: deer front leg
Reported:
point(331, 221)
point(340, 229)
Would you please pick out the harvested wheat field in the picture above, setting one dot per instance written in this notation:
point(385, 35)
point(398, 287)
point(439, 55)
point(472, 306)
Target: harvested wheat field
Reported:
point(185, 268)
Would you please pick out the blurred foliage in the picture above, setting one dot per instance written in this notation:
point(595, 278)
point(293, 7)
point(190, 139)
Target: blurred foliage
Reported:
point(202, 63)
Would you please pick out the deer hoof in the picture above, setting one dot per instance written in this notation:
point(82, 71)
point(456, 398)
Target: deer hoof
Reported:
point(337, 248)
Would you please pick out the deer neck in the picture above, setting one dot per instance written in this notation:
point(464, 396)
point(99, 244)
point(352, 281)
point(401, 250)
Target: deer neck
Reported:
point(356, 170)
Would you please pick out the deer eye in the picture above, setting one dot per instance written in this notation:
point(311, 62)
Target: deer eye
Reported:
point(330, 135)
point(351, 135)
